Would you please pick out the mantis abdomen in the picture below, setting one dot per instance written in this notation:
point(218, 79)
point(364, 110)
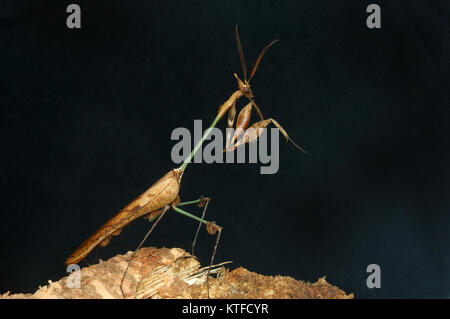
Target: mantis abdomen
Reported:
point(163, 192)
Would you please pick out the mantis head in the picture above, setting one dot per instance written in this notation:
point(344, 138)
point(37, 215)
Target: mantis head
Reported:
point(244, 86)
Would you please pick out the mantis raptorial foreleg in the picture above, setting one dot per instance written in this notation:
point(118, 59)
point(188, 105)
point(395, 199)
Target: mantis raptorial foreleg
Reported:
point(253, 133)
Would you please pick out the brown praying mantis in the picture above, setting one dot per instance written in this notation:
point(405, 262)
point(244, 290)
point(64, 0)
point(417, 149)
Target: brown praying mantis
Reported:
point(163, 194)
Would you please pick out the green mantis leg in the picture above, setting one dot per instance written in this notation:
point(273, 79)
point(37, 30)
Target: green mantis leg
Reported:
point(211, 227)
point(201, 202)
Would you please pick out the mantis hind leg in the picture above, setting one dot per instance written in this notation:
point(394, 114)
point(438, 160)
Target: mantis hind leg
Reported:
point(160, 215)
point(201, 202)
point(211, 227)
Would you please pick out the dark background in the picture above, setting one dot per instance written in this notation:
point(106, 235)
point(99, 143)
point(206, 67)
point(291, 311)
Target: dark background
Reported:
point(86, 118)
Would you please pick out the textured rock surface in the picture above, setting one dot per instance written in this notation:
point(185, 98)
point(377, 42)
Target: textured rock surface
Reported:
point(173, 273)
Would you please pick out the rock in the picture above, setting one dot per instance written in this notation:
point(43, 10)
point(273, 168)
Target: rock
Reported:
point(173, 273)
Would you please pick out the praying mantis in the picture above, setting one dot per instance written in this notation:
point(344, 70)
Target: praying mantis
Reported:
point(163, 195)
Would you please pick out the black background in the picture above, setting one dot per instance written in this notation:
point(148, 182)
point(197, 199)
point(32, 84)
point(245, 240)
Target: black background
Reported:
point(86, 118)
